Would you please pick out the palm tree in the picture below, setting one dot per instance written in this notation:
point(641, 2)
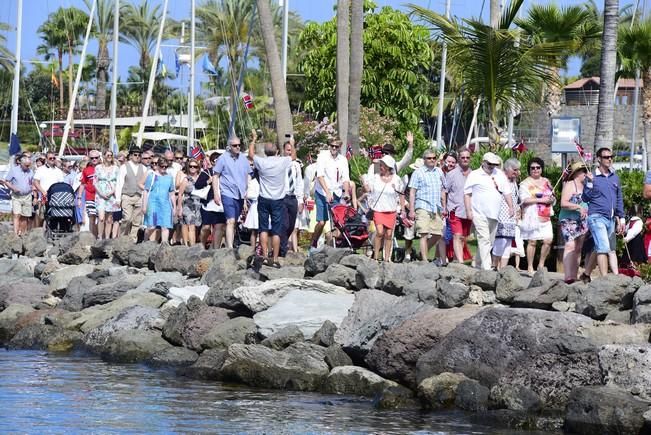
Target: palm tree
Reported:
point(502, 66)
point(74, 21)
point(279, 91)
point(551, 23)
point(140, 29)
point(605, 109)
point(103, 31)
point(634, 49)
point(54, 41)
point(356, 71)
point(343, 67)
point(5, 54)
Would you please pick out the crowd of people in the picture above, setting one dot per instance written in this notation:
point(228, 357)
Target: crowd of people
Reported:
point(214, 199)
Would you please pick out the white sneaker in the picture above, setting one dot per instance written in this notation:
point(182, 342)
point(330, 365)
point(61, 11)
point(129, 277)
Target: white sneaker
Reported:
point(407, 257)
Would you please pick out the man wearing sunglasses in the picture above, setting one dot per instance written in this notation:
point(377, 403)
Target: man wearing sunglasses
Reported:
point(129, 193)
point(47, 175)
point(87, 188)
point(603, 193)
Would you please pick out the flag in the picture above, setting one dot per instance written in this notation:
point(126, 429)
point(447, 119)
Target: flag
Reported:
point(115, 148)
point(14, 145)
point(566, 172)
point(54, 80)
point(197, 153)
point(208, 66)
point(248, 101)
point(162, 68)
point(349, 151)
point(519, 147)
point(579, 148)
point(177, 64)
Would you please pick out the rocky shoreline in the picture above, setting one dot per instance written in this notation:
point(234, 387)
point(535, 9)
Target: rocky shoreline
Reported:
point(532, 353)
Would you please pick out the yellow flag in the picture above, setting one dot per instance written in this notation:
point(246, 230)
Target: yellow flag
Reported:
point(55, 82)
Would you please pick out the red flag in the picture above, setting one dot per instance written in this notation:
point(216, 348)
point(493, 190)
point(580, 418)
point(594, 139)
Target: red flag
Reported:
point(519, 147)
point(349, 151)
point(197, 153)
point(248, 101)
point(579, 148)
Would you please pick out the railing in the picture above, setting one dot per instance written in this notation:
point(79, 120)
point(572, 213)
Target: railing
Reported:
point(590, 97)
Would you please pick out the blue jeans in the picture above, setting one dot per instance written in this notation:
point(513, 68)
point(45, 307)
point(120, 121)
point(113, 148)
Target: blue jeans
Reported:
point(601, 228)
point(322, 214)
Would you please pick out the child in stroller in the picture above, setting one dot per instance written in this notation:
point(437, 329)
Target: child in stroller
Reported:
point(60, 210)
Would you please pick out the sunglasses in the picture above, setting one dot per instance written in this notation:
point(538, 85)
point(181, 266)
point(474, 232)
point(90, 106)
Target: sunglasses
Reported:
point(178, 158)
point(534, 167)
point(193, 167)
point(430, 158)
point(335, 146)
point(464, 158)
point(235, 144)
point(92, 158)
point(146, 158)
point(51, 158)
point(607, 157)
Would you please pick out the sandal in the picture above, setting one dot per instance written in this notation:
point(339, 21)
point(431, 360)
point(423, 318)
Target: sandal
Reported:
point(585, 278)
point(269, 262)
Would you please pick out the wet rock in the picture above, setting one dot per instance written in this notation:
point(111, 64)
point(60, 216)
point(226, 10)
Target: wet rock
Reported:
point(325, 335)
point(396, 397)
point(471, 396)
point(25, 291)
point(515, 397)
point(452, 293)
point(174, 357)
point(208, 366)
point(305, 309)
point(338, 275)
point(355, 380)
point(260, 366)
point(319, 261)
point(336, 357)
point(395, 353)
point(440, 391)
point(45, 337)
point(238, 330)
point(627, 367)
point(136, 317)
point(283, 338)
point(61, 278)
point(372, 313)
point(605, 410)
point(135, 345)
point(605, 294)
point(508, 284)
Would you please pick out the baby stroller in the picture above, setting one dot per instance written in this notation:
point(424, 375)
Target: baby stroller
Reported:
point(350, 225)
point(59, 211)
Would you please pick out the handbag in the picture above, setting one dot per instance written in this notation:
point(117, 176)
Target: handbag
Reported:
point(201, 193)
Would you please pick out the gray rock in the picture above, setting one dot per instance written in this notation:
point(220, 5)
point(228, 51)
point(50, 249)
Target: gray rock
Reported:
point(605, 410)
point(394, 278)
point(338, 275)
point(45, 337)
point(605, 294)
point(22, 267)
point(11, 244)
point(259, 366)
point(457, 271)
point(174, 357)
point(602, 333)
point(642, 305)
point(73, 299)
point(471, 396)
point(372, 313)
point(25, 291)
point(336, 357)
point(508, 284)
point(79, 253)
point(105, 293)
point(8, 318)
point(627, 367)
point(541, 297)
point(301, 348)
point(515, 397)
point(281, 339)
point(191, 261)
point(325, 335)
point(305, 309)
point(208, 366)
point(136, 317)
point(224, 263)
point(189, 323)
point(238, 330)
point(354, 260)
point(102, 248)
point(62, 277)
point(395, 353)
point(271, 273)
point(440, 391)
point(452, 293)
point(620, 316)
point(546, 351)
point(485, 279)
point(354, 380)
point(319, 261)
point(138, 255)
point(161, 281)
point(135, 345)
point(425, 291)
point(220, 293)
point(395, 398)
point(34, 243)
point(541, 278)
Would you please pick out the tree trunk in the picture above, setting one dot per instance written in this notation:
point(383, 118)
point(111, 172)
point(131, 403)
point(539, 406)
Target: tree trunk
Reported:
point(356, 72)
point(102, 75)
point(61, 103)
point(494, 13)
point(278, 89)
point(343, 67)
point(646, 113)
point(70, 72)
point(605, 110)
point(553, 94)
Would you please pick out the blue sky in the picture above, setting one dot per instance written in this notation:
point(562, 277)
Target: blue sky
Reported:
point(35, 12)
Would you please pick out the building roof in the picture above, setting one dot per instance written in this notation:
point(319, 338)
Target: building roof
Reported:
point(150, 121)
point(621, 83)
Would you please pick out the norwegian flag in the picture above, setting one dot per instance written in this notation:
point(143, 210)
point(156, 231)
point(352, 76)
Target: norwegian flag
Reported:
point(579, 148)
point(197, 153)
point(247, 99)
point(519, 147)
point(566, 172)
point(349, 151)
point(375, 152)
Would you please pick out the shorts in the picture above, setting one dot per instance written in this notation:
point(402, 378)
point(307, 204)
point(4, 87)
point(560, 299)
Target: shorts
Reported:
point(22, 205)
point(601, 229)
point(502, 247)
point(428, 222)
point(274, 209)
point(385, 218)
point(212, 217)
point(91, 210)
point(459, 225)
point(117, 216)
point(322, 214)
point(232, 207)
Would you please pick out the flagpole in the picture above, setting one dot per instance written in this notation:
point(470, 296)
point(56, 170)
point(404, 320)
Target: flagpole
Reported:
point(15, 91)
point(114, 84)
point(152, 76)
point(444, 55)
point(283, 61)
point(192, 75)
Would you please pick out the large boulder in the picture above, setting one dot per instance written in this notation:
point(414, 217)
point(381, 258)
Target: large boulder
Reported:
point(8, 318)
point(440, 391)
point(509, 283)
point(642, 305)
point(396, 278)
point(543, 350)
point(605, 294)
point(138, 255)
point(11, 244)
point(395, 353)
point(339, 275)
point(189, 323)
point(136, 317)
point(224, 263)
point(259, 366)
point(268, 273)
point(208, 366)
point(605, 411)
point(133, 345)
point(73, 300)
point(60, 279)
point(192, 261)
point(22, 267)
point(45, 337)
point(238, 330)
point(25, 291)
point(319, 261)
point(325, 335)
point(354, 380)
point(452, 293)
point(105, 293)
point(174, 357)
point(306, 309)
point(220, 293)
point(515, 398)
point(283, 338)
point(34, 243)
point(541, 297)
point(372, 313)
point(486, 280)
point(80, 251)
point(627, 367)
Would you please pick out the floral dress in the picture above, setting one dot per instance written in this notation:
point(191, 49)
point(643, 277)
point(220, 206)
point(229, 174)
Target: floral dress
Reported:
point(505, 222)
point(106, 178)
point(572, 224)
point(191, 204)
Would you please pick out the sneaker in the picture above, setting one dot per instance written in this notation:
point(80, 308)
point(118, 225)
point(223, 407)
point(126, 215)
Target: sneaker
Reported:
point(407, 257)
point(312, 250)
point(439, 263)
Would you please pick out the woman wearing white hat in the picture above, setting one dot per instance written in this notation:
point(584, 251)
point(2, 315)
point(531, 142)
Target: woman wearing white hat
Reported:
point(385, 189)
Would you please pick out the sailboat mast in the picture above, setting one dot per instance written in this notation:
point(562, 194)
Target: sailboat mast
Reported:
point(114, 85)
point(283, 60)
point(192, 77)
point(16, 85)
point(444, 55)
point(152, 75)
point(75, 90)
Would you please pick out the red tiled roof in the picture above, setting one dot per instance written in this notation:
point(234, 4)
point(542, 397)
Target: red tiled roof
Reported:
point(622, 83)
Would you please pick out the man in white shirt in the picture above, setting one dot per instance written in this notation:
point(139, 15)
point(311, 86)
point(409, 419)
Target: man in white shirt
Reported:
point(333, 182)
point(47, 175)
point(272, 172)
point(483, 194)
point(293, 200)
point(129, 193)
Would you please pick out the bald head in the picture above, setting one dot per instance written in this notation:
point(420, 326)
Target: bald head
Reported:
point(270, 149)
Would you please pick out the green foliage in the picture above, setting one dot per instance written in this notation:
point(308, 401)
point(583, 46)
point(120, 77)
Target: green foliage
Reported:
point(397, 59)
point(358, 166)
point(632, 187)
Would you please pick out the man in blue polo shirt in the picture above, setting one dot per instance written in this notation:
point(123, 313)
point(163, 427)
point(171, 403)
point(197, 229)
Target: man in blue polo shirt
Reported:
point(603, 193)
point(19, 181)
point(229, 184)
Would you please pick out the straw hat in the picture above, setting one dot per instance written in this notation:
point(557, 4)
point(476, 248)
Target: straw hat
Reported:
point(419, 162)
point(575, 168)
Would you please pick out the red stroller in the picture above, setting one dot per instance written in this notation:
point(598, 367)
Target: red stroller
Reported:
point(351, 228)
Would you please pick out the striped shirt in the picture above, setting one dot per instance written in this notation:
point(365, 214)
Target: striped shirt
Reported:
point(428, 183)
